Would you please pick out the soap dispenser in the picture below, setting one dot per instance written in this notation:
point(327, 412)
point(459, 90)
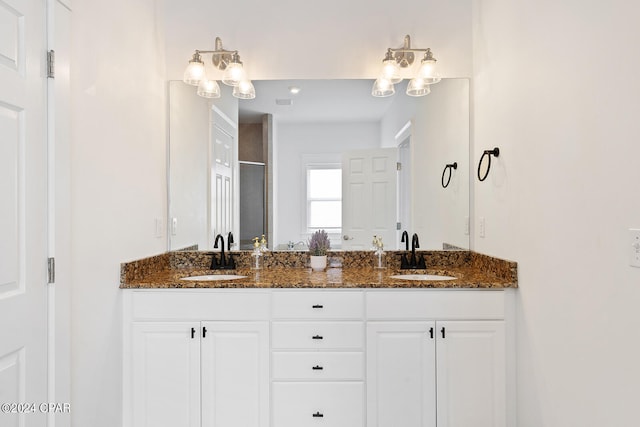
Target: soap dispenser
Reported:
point(256, 254)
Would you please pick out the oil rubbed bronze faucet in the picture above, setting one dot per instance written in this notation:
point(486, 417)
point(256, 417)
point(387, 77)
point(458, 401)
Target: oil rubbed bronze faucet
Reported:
point(415, 262)
point(224, 263)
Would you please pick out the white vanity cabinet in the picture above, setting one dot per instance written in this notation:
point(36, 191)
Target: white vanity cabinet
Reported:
point(436, 359)
point(318, 358)
point(181, 371)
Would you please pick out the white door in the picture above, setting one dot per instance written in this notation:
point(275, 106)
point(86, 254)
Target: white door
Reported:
point(166, 374)
point(223, 169)
point(369, 202)
point(471, 374)
point(401, 382)
point(235, 374)
point(23, 209)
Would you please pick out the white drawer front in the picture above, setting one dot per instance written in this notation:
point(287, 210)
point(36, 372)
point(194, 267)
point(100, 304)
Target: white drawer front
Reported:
point(436, 304)
point(318, 305)
point(317, 335)
point(195, 304)
point(318, 404)
point(318, 365)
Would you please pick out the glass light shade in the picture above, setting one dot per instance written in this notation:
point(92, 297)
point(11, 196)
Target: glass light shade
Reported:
point(244, 90)
point(194, 72)
point(234, 74)
point(418, 87)
point(208, 88)
point(391, 71)
point(428, 71)
point(382, 88)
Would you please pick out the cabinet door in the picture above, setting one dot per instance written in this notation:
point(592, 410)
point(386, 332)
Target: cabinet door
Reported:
point(166, 374)
point(401, 383)
point(471, 374)
point(235, 374)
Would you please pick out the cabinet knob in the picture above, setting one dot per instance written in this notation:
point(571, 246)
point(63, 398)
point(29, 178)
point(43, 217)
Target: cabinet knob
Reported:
point(317, 337)
point(193, 333)
point(317, 368)
point(442, 330)
point(318, 415)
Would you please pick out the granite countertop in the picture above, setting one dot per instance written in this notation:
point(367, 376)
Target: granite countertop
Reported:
point(351, 269)
point(297, 277)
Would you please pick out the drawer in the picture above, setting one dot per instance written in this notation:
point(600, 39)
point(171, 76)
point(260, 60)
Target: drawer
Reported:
point(195, 304)
point(318, 305)
point(436, 304)
point(318, 365)
point(317, 335)
point(326, 404)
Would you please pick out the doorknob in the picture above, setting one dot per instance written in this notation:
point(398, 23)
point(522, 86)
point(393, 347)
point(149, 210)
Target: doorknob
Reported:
point(346, 237)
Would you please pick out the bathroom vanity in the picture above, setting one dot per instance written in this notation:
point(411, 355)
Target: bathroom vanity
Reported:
point(347, 347)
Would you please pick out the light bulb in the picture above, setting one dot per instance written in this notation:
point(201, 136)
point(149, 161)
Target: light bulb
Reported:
point(382, 88)
point(208, 88)
point(234, 73)
point(418, 87)
point(391, 69)
point(428, 71)
point(195, 70)
point(244, 90)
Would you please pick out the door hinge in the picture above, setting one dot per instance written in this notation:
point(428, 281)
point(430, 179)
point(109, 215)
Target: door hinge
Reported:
point(399, 166)
point(51, 270)
point(51, 64)
point(398, 225)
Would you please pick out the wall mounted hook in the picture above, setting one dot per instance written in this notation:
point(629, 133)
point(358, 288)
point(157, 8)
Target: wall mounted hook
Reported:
point(449, 168)
point(488, 153)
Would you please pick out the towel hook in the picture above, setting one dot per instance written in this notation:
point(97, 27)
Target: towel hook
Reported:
point(495, 152)
point(448, 167)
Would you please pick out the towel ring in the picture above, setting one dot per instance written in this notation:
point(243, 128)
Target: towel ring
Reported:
point(488, 153)
point(453, 165)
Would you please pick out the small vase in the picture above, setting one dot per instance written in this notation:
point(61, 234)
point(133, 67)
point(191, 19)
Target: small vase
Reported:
point(318, 263)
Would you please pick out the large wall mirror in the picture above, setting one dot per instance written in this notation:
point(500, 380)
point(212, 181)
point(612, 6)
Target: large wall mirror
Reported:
point(329, 156)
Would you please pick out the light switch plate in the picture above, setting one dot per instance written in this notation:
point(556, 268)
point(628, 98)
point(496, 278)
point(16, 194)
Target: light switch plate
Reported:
point(159, 227)
point(634, 247)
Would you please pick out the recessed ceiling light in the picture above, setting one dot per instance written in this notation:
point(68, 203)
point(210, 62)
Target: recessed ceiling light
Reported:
point(294, 90)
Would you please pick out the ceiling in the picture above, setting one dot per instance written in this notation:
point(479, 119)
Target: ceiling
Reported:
point(317, 101)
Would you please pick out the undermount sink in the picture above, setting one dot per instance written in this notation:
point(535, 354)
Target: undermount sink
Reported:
point(422, 277)
point(214, 277)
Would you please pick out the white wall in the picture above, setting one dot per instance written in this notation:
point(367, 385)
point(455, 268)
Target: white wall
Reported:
point(556, 88)
point(117, 186)
point(293, 143)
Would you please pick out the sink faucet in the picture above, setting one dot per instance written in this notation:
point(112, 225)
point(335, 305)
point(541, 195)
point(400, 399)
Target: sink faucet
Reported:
point(230, 241)
point(414, 262)
point(223, 264)
point(405, 240)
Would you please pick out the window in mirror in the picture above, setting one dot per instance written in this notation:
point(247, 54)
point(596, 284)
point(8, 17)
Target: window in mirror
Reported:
point(324, 198)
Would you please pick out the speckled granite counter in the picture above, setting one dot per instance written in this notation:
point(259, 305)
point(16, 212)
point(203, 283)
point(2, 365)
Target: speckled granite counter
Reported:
point(346, 270)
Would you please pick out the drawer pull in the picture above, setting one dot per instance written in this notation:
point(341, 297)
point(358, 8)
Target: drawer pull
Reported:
point(318, 415)
point(317, 306)
point(317, 337)
point(317, 368)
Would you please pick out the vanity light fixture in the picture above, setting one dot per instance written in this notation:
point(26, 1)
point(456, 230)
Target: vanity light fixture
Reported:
point(402, 58)
point(223, 60)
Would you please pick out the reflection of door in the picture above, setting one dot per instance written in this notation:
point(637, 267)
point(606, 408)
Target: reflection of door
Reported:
point(223, 159)
point(23, 211)
point(369, 197)
point(404, 186)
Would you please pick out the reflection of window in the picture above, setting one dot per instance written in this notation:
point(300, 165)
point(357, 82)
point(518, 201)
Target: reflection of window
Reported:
point(324, 197)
